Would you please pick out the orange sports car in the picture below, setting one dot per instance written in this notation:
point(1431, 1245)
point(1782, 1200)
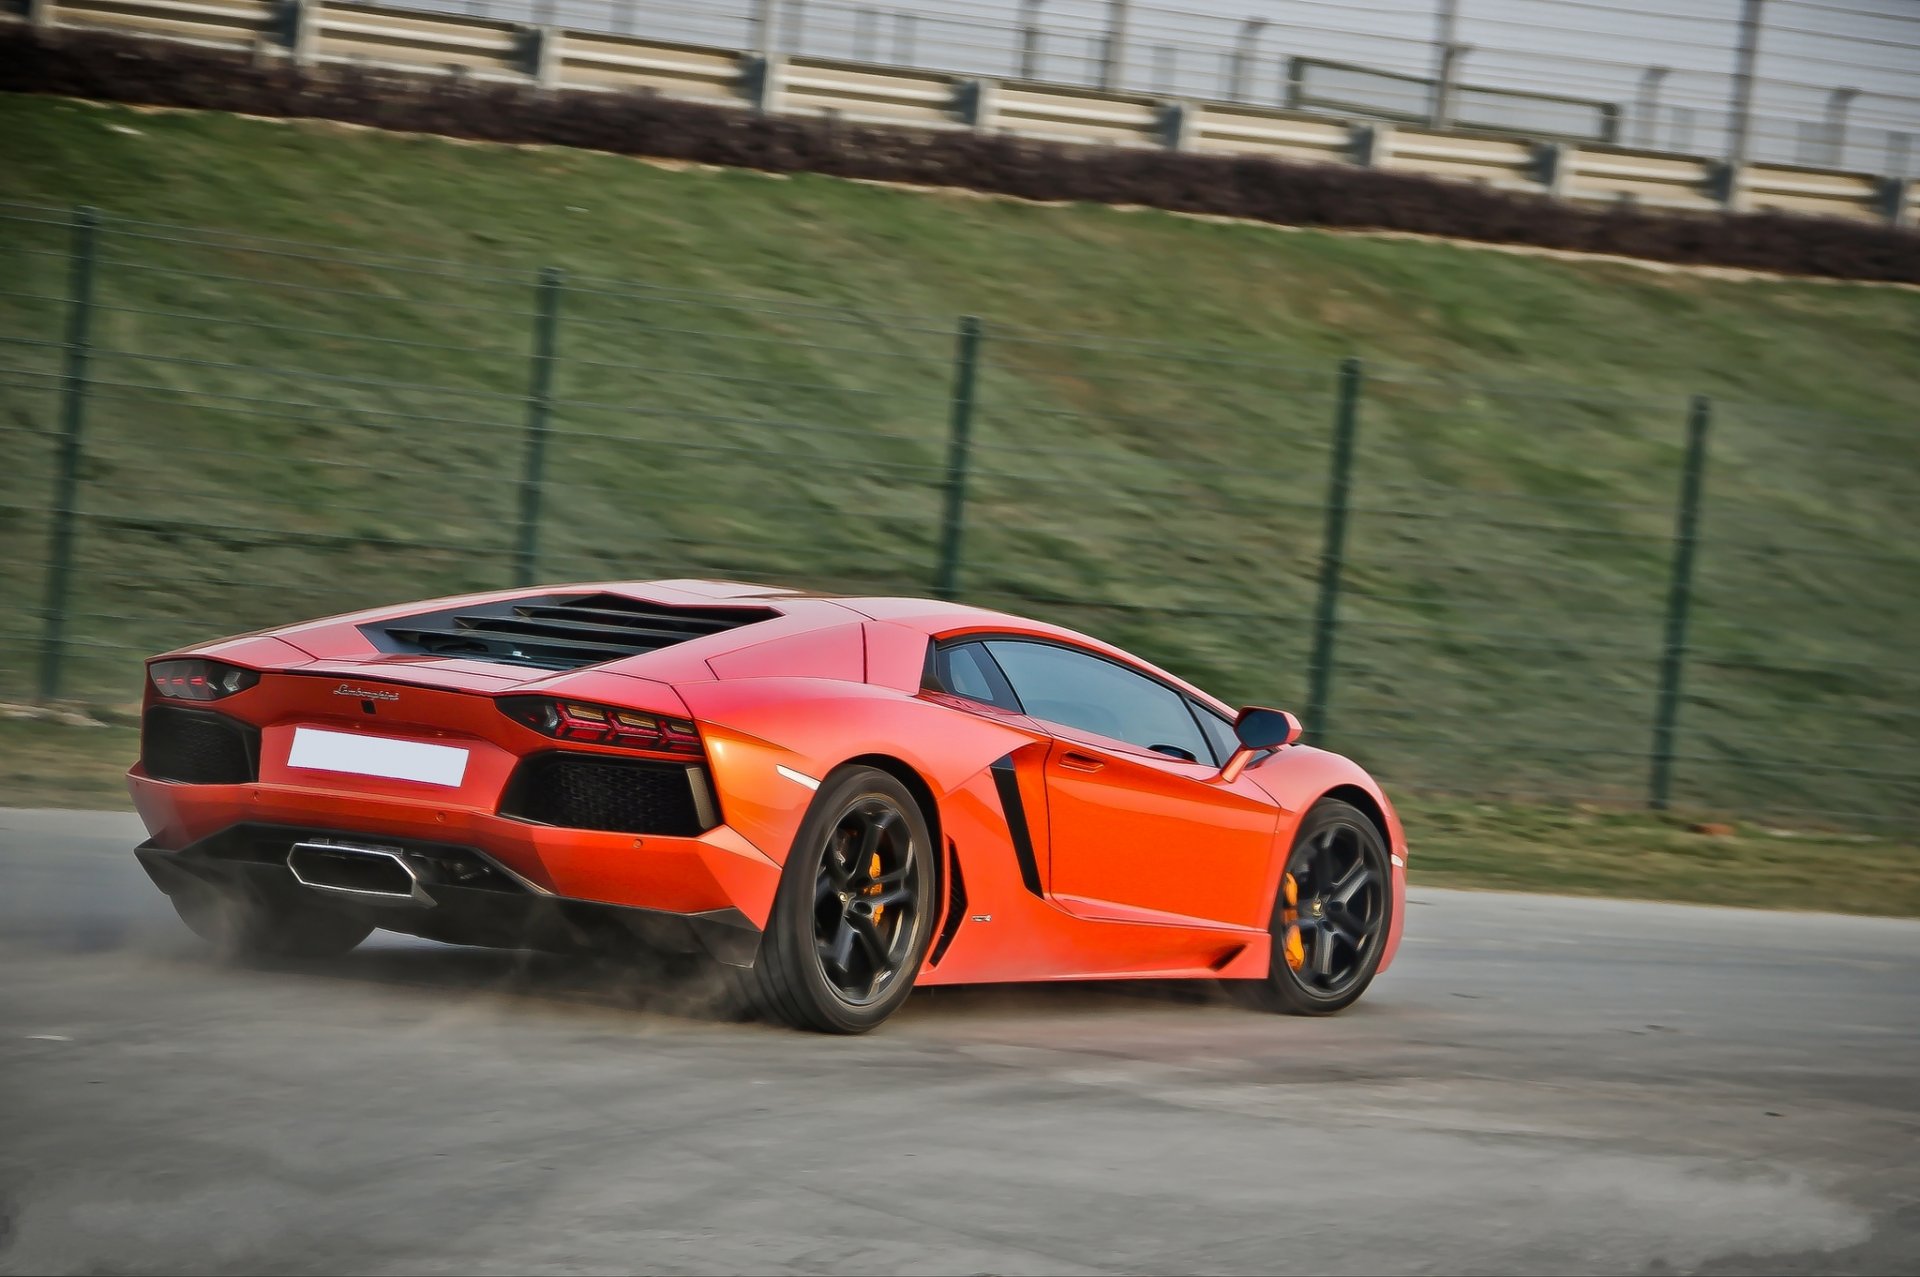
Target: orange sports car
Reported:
point(833, 799)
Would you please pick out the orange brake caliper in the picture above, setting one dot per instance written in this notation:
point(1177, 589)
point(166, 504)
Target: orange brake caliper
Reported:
point(1291, 945)
point(876, 889)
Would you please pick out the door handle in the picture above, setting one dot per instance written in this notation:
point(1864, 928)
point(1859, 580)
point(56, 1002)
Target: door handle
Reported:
point(1077, 762)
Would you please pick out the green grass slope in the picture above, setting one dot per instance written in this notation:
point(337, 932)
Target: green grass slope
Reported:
point(753, 378)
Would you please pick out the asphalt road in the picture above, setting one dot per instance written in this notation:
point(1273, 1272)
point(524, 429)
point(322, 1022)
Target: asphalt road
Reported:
point(1540, 1085)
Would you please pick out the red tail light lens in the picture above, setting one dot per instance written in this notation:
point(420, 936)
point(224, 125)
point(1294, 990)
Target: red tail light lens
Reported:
point(602, 724)
point(198, 680)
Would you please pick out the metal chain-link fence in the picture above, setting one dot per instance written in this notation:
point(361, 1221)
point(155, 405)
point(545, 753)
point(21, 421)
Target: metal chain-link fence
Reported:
point(1506, 589)
point(1830, 83)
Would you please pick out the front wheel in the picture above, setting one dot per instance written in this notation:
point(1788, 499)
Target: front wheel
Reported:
point(242, 927)
point(1331, 917)
point(854, 913)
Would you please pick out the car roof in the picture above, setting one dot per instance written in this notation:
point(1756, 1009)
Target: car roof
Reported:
point(800, 610)
point(936, 618)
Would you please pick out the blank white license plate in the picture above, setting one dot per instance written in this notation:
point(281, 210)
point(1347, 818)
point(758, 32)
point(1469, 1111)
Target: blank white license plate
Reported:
point(319, 750)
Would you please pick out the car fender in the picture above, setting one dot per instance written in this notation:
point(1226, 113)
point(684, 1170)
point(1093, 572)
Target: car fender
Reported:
point(1299, 776)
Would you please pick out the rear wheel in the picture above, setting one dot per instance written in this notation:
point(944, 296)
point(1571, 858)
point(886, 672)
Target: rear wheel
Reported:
point(244, 927)
point(1331, 917)
point(853, 916)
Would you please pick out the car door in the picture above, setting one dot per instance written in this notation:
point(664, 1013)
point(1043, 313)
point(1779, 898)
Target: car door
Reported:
point(1133, 828)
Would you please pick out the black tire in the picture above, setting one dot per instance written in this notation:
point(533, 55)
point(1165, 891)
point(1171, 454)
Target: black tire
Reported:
point(1339, 864)
point(843, 944)
point(243, 927)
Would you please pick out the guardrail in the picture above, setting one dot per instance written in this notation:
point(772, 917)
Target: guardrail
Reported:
point(559, 58)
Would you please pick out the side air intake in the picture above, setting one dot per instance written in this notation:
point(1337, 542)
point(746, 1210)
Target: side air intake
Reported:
point(559, 632)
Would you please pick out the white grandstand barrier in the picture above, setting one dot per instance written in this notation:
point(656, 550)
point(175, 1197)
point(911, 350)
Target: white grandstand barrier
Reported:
point(595, 60)
point(395, 38)
point(410, 39)
point(240, 23)
point(855, 91)
point(1611, 175)
point(1298, 139)
point(1813, 192)
point(1507, 164)
point(1068, 115)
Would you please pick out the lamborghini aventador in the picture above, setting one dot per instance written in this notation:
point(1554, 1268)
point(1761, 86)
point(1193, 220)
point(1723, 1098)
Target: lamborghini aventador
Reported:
point(831, 800)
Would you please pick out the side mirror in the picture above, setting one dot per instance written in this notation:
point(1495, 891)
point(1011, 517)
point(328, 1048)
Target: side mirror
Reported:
point(1259, 729)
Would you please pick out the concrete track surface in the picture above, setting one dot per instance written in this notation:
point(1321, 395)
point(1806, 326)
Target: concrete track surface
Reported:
point(1541, 1085)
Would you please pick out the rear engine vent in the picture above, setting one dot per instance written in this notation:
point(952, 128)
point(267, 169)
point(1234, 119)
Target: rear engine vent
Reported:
point(198, 746)
point(586, 791)
point(559, 632)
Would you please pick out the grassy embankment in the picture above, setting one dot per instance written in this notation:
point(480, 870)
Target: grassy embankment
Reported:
point(1516, 471)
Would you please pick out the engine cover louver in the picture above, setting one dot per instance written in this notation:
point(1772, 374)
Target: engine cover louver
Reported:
point(560, 632)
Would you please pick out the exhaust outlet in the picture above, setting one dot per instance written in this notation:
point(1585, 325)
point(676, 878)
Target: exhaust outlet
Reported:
point(371, 873)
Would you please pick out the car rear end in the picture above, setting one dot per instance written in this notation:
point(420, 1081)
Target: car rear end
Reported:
point(435, 785)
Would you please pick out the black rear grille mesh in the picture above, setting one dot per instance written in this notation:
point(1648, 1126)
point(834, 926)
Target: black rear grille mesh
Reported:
point(582, 791)
point(198, 747)
point(563, 631)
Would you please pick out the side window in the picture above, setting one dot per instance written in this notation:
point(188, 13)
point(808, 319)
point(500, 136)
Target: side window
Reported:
point(1078, 689)
point(965, 669)
point(1219, 733)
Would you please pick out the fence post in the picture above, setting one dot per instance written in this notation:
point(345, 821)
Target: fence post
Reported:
point(1029, 39)
point(73, 404)
point(1113, 51)
point(1441, 110)
point(1346, 423)
point(1745, 75)
point(966, 365)
point(526, 554)
point(302, 27)
point(1679, 603)
point(765, 22)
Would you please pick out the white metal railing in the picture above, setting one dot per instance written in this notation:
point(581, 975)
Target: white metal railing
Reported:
point(1828, 82)
point(1591, 172)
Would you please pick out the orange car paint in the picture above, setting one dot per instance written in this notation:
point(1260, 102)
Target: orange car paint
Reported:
point(1146, 865)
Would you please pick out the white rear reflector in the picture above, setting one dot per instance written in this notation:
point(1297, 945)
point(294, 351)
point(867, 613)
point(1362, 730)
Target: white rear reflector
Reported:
point(355, 755)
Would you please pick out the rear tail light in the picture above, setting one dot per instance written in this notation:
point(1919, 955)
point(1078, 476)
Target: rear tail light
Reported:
point(590, 724)
point(199, 680)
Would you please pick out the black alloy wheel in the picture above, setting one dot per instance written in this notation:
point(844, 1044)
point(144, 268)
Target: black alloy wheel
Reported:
point(1332, 916)
point(865, 902)
point(854, 915)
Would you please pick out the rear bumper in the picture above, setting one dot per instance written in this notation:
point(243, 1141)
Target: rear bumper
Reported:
point(713, 871)
point(457, 894)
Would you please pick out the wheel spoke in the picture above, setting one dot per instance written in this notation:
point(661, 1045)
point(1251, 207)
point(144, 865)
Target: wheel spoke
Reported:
point(838, 952)
point(1357, 878)
point(877, 828)
point(840, 862)
point(1322, 957)
point(890, 899)
point(871, 940)
point(1322, 861)
point(1344, 931)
